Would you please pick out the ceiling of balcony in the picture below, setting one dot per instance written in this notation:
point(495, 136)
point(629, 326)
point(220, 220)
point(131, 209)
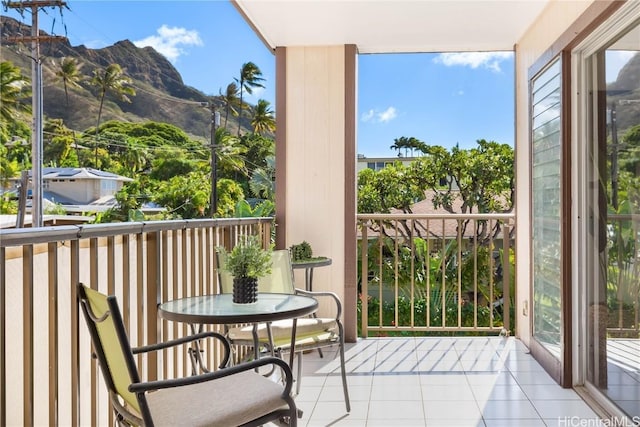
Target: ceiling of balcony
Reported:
point(386, 26)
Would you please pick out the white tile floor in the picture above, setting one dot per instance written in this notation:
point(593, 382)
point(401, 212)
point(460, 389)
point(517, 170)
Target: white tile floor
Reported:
point(479, 382)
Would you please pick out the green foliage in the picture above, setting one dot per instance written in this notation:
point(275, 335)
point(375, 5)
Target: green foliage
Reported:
point(58, 145)
point(171, 162)
point(229, 195)
point(406, 144)
point(301, 251)
point(630, 155)
point(151, 134)
point(68, 71)
point(390, 188)
point(482, 179)
point(262, 183)
point(55, 209)
point(8, 167)
point(247, 258)
point(130, 199)
point(263, 120)
point(186, 196)
point(15, 92)
point(8, 206)
point(263, 209)
point(250, 78)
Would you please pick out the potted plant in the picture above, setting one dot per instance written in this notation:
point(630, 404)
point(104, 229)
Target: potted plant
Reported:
point(302, 253)
point(246, 262)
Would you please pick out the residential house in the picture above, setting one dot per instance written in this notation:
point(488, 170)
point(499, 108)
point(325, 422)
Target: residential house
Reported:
point(78, 186)
point(378, 163)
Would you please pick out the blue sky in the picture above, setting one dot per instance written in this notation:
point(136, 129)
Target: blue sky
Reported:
point(439, 99)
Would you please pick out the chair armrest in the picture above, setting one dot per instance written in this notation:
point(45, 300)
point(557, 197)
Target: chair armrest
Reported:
point(232, 370)
point(331, 295)
point(188, 339)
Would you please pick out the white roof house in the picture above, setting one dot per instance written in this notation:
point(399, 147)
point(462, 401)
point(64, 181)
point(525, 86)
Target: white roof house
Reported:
point(78, 186)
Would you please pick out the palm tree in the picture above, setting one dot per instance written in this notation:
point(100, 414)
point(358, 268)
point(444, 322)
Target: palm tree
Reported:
point(231, 152)
point(13, 88)
point(262, 183)
point(410, 143)
point(250, 78)
point(68, 72)
point(399, 144)
point(263, 120)
point(135, 156)
point(110, 80)
point(230, 100)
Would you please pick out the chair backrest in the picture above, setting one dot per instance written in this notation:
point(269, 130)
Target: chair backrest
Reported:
point(110, 342)
point(279, 281)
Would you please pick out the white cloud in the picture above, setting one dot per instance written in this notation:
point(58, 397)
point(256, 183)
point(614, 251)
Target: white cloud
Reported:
point(387, 115)
point(376, 116)
point(488, 60)
point(168, 41)
point(368, 115)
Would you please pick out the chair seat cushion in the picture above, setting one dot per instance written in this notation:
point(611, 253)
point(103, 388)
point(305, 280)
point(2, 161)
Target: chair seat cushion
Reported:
point(227, 401)
point(281, 330)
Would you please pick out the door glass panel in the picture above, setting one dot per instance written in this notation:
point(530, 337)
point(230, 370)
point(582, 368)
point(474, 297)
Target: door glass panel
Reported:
point(546, 207)
point(613, 363)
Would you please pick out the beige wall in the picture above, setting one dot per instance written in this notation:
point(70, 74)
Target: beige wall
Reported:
point(553, 22)
point(315, 147)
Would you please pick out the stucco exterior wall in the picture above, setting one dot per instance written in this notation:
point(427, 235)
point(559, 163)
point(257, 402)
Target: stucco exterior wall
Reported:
point(80, 190)
point(315, 178)
point(550, 25)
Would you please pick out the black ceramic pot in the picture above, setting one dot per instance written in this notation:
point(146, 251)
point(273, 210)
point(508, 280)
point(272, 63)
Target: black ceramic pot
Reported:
point(245, 290)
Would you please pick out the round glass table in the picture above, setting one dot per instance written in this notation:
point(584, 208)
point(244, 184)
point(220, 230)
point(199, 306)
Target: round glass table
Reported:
point(220, 309)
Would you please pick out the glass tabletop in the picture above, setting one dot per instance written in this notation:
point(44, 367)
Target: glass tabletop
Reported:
point(221, 308)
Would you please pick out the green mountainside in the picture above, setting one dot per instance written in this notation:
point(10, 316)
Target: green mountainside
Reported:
point(160, 96)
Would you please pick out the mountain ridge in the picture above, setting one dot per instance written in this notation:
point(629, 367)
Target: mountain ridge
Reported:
point(161, 94)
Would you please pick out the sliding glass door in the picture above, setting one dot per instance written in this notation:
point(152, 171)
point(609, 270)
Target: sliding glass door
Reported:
point(612, 164)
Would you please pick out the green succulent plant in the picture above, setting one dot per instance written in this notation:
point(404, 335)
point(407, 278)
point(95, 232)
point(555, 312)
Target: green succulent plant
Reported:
point(301, 251)
point(247, 258)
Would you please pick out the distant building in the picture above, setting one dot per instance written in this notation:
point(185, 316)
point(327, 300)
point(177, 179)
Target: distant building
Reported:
point(377, 163)
point(80, 190)
point(77, 186)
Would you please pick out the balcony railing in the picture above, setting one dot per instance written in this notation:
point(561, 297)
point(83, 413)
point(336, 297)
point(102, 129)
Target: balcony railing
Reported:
point(436, 273)
point(426, 273)
point(47, 374)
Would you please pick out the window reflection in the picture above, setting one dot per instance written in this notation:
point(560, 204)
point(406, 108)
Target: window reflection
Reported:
point(614, 297)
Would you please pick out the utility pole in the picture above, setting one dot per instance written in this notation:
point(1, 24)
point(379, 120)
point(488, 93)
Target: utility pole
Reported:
point(36, 97)
point(614, 156)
